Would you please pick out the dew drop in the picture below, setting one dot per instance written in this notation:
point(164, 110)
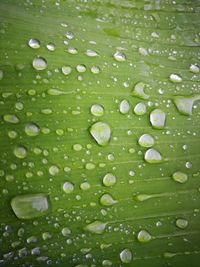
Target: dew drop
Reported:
point(91, 53)
point(53, 170)
point(72, 50)
point(69, 35)
point(194, 68)
point(66, 231)
point(68, 187)
point(85, 186)
point(11, 118)
point(180, 177)
point(32, 129)
point(39, 63)
point(181, 223)
point(153, 156)
point(146, 140)
point(34, 43)
point(51, 47)
point(124, 106)
point(97, 110)
point(30, 206)
point(140, 109)
point(77, 147)
point(107, 200)
point(144, 236)
point(109, 179)
point(20, 152)
point(101, 132)
point(126, 256)
point(55, 92)
point(185, 104)
point(175, 78)
point(90, 166)
point(96, 227)
point(66, 70)
point(119, 56)
point(139, 92)
point(95, 69)
point(81, 68)
point(157, 118)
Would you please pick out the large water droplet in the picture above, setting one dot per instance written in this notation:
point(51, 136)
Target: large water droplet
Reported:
point(153, 156)
point(20, 152)
point(139, 92)
point(101, 132)
point(126, 256)
point(144, 236)
point(91, 53)
point(81, 68)
point(11, 118)
point(185, 104)
point(96, 227)
point(34, 43)
point(175, 78)
point(30, 206)
point(119, 56)
point(97, 110)
point(140, 109)
point(109, 179)
point(68, 187)
point(32, 129)
point(181, 223)
point(124, 106)
point(157, 118)
point(146, 140)
point(107, 200)
point(180, 177)
point(39, 63)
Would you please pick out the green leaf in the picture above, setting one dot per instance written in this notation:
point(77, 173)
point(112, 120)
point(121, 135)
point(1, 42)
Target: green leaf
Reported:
point(99, 132)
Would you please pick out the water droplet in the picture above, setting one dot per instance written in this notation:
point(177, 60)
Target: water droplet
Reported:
point(106, 263)
point(157, 118)
point(69, 35)
point(12, 134)
point(119, 56)
point(181, 223)
point(101, 132)
point(55, 92)
point(97, 110)
point(85, 186)
point(68, 187)
point(32, 129)
point(139, 92)
point(1, 75)
point(109, 179)
point(180, 177)
point(140, 109)
point(188, 164)
point(153, 156)
point(20, 152)
point(185, 104)
point(19, 106)
point(107, 200)
point(124, 106)
point(175, 78)
point(96, 227)
point(39, 63)
point(169, 255)
point(143, 51)
point(30, 206)
point(34, 43)
point(81, 68)
point(53, 170)
point(46, 236)
point(51, 47)
point(66, 70)
point(146, 140)
point(66, 231)
point(95, 69)
point(91, 53)
point(144, 236)
point(126, 256)
point(77, 147)
point(72, 50)
point(90, 166)
point(11, 118)
point(194, 68)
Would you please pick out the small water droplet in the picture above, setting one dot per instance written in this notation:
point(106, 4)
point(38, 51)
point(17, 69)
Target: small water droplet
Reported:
point(34, 43)
point(194, 68)
point(124, 106)
point(109, 179)
point(126, 256)
point(69, 35)
point(91, 53)
point(140, 109)
point(175, 78)
point(153, 156)
point(181, 223)
point(66, 70)
point(101, 132)
point(53, 170)
point(146, 140)
point(85, 186)
point(32, 129)
point(144, 236)
point(51, 47)
point(39, 63)
point(66, 231)
point(72, 50)
point(30, 206)
point(96, 227)
point(107, 200)
point(97, 110)
point(95, 69)
point(20, 152)
point(77, 147)
point(68, 187)
point(11, 118)
point(180, 177)
point(81, 68)
point(157, 118)
point(119, 56)
point(90, 166)
point(139, 92)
